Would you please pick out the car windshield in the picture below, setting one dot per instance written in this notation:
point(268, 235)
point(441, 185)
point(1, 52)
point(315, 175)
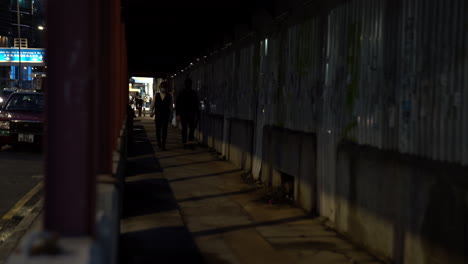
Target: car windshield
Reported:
point(25, 102)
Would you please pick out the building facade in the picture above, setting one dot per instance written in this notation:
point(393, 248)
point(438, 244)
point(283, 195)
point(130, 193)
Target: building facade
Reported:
point(31, 26)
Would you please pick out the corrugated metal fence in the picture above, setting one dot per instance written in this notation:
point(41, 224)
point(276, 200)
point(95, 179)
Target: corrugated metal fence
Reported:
point(386, 73)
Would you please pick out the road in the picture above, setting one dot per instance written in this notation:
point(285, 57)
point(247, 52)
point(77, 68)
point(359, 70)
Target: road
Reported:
point(20, 183)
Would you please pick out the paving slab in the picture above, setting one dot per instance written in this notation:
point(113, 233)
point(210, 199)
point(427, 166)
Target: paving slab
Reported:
point(222, 217)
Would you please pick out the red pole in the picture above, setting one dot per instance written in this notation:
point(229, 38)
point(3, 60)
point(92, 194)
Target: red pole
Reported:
point(103, 93)
point(125, 76)
point(116, 21)
point(70, 187)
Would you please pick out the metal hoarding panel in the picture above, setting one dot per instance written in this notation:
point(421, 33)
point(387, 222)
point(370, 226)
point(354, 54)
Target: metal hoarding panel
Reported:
point(394, 77)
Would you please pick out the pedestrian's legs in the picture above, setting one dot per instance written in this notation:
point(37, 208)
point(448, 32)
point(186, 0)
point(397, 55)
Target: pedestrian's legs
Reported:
point(158, 131)
point(165, 123)
point(184, 122)
point(192, 125)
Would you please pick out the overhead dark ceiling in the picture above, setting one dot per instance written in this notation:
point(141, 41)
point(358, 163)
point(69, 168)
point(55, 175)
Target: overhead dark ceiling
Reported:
point(165, 36)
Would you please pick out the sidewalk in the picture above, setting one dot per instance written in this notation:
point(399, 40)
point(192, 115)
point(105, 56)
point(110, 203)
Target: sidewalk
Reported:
point(187, 206)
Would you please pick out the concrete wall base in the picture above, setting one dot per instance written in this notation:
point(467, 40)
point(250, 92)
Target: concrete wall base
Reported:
point(408, 209)
point(241, 143)
point(292, 153)
point(403, 208)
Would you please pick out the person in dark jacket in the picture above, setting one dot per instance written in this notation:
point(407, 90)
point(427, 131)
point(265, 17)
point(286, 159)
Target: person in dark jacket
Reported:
point(161, 108)
point(139, 104)
point(188, 112)
point(130, 116)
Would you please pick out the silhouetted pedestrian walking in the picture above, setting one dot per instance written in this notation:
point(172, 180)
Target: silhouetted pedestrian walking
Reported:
point(161, 107)
point(139, 104)
point(188, 111)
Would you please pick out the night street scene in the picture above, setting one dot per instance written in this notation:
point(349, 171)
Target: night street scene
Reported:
point(234, 132)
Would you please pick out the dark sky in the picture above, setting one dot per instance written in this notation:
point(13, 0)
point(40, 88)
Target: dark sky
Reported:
point(166, 36)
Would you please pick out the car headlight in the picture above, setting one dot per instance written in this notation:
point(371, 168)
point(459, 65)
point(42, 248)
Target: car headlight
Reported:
point(4, 124)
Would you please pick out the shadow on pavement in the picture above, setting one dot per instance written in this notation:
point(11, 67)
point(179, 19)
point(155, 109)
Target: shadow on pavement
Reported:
point(183, 154)
point(197, 198)
point(191, 163)
point(140, 144)
point(143, 165)
point(204, 176)
point(147, 197)
point(222, 230)
point(167, 244)
point(159, 245)
point(141, 158)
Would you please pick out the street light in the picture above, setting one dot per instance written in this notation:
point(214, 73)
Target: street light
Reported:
point(19, 44)
point(40, 27)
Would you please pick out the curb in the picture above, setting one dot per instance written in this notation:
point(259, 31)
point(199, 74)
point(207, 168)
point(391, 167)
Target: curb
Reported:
point(12, 242)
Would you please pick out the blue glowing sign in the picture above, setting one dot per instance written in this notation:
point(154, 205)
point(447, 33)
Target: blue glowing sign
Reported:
point(10, 56)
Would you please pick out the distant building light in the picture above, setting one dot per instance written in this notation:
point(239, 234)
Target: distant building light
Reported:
point(191, 63)
point(182, 70)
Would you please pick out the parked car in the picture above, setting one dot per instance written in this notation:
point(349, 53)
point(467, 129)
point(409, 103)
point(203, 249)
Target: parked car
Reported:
point(22, 119)
point(5, 93)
